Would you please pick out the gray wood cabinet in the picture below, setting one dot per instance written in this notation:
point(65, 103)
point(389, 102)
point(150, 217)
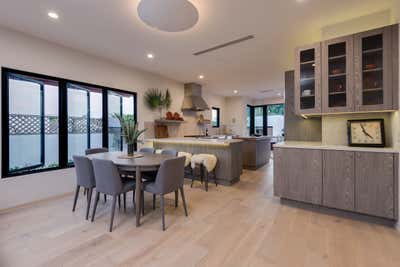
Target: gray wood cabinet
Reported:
point(308, 79)
point(373, 70)
point(363, 182)
point(375, 184)
point(338, 179)
point(354, 73)
point(337, 75)
point(300, 174)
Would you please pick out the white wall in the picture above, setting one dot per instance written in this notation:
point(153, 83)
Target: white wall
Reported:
point(23, 52)
point(236, 114)
point(268, 101)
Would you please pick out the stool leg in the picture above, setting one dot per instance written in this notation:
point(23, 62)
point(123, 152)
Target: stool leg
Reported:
point(176, 198)
point(215, 178)
point(192, 170)
point(206, 178)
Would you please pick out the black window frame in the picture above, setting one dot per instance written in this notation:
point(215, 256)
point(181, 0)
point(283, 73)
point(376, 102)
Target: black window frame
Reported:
point(62, 117)
point(218, 117)
point(265, 117)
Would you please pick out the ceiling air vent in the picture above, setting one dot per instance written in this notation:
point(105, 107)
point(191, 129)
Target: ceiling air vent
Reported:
point(249, 37)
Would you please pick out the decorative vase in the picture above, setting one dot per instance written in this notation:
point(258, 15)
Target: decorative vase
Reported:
point(131, 148)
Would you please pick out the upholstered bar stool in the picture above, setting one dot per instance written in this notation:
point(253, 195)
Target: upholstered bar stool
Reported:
point(188, 159)
point(205, 164)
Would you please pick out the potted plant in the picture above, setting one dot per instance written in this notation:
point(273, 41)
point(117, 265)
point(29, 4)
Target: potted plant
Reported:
point(129, 131)
point(156, 99)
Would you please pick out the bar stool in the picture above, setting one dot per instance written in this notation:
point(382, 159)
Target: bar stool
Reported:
point(188, 158)
point(206, 164)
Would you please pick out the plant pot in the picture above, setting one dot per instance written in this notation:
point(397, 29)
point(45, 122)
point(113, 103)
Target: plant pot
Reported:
point(131, 149)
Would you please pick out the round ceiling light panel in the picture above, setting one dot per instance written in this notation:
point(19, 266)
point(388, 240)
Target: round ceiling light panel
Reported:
point(168, 15)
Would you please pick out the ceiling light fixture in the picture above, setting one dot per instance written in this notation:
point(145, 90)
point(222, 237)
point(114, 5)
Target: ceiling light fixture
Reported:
point(169, 16)
point(235, 91)
point(201, 76)
point(52, 15)
point(151, 56)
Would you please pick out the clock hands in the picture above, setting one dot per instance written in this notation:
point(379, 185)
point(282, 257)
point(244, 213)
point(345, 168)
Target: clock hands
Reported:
point(365, 132)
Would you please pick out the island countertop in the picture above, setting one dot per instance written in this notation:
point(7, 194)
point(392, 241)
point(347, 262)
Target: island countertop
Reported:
point(196, 141)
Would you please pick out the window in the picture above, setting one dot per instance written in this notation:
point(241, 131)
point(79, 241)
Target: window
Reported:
point(266, 120)
point(215, 120)
point(85, 119)
point(122, 104)
point(30, 123)
point(46, 120)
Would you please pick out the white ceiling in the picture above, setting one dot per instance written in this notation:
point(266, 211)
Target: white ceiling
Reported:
point(111, 29)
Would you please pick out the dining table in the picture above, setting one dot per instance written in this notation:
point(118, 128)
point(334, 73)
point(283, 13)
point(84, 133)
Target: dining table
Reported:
point(142, 162)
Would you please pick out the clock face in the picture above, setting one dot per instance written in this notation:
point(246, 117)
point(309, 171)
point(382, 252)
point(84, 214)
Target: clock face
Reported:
point(366, 132)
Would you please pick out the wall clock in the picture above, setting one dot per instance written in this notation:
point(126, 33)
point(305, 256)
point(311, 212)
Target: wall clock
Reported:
point(370, 132)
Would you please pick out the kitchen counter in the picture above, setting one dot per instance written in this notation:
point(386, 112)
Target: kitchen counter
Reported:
point(256, 151)
point(228, 152)
point(319, 145)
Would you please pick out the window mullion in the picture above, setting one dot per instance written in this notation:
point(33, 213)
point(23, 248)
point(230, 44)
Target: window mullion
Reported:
point(42, 128)
point(88, 119)
point(63, 124)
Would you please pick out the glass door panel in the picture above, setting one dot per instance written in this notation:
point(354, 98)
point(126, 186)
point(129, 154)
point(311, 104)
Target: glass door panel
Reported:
point(307, 79)
point(337, 75)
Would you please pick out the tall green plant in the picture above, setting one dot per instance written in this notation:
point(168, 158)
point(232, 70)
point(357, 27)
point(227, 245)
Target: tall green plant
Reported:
point(167, 99)
point(130, 131)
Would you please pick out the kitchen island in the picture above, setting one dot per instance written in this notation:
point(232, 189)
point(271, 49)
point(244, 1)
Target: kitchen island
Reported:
point(256, 151)
point(228, 152)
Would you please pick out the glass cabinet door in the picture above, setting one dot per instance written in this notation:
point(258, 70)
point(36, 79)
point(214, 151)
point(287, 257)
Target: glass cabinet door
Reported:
point(308, 80)
point(337, 75)
point(373, 70)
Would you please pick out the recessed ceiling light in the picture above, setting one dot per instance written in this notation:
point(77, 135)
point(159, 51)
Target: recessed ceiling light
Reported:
point(299, 1)
point(201, 76)
point(150, 56)
point(235, 91)
point(52, 15)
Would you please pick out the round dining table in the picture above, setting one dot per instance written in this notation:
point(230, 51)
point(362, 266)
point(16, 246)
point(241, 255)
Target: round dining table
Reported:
point(144, 162)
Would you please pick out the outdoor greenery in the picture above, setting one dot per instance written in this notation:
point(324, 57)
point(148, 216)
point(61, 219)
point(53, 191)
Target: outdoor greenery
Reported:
point(129, 128)
point(278, 109)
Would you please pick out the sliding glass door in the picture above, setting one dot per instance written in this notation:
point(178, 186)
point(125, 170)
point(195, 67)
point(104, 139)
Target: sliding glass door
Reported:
point(265, 120)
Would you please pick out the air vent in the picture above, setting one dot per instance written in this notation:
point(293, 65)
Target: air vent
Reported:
point(249, 37)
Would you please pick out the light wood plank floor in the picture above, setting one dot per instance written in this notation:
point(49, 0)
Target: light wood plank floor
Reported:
point(243, 225)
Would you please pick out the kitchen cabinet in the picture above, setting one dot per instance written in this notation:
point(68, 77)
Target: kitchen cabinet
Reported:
point(300, 174)
point(338, 179)
point(375, 184)
point(337, 75)
point(354, 73)
point(352, 180)
point(308, 79)
point(373, 70)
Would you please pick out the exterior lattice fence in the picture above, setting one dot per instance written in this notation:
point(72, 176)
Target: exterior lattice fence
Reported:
point(20, 124)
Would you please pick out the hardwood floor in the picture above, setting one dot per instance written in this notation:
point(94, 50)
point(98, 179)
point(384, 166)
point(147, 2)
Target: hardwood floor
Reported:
point(243, 225)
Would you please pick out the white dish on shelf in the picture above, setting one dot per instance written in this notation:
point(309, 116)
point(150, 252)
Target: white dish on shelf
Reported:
point(306, 92)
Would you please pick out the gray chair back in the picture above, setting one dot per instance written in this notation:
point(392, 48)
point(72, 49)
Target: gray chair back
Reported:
point(172, 152)
point(148, 150)
point(170, 175)
point(84, 172)
point(107, 177)
point(96, 150)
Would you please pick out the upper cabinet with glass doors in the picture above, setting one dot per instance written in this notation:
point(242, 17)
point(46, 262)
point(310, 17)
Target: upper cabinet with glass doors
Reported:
point(355, 73)
point(308, 79)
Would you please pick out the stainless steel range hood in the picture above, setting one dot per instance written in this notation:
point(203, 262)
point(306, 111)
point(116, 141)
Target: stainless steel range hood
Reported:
point(193, 99)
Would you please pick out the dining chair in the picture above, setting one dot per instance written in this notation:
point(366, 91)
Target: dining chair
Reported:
point(171, 152)
point(109, 182)
point(97, 150)
point(90, 151)
point(148, 150)
point(84, 178)
point(169, 179)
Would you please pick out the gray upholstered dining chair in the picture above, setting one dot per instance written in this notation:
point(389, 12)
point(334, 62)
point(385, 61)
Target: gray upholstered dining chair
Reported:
point(84, 178)
point(148, 150)
point(109, 181)
point(97, 150)
point(171, 152)
point(169, 179)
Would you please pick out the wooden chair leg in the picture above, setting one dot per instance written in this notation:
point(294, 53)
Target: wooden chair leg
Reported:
point(183, 200)
point(76, 197)
point(176, 198)
point(124, 202)
point(90, 190)
point(119, 202)
point(142, 201)
point(205, 172)
point(162, 211)
point(154, 201)
point(96, 200)
point(114, 202)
